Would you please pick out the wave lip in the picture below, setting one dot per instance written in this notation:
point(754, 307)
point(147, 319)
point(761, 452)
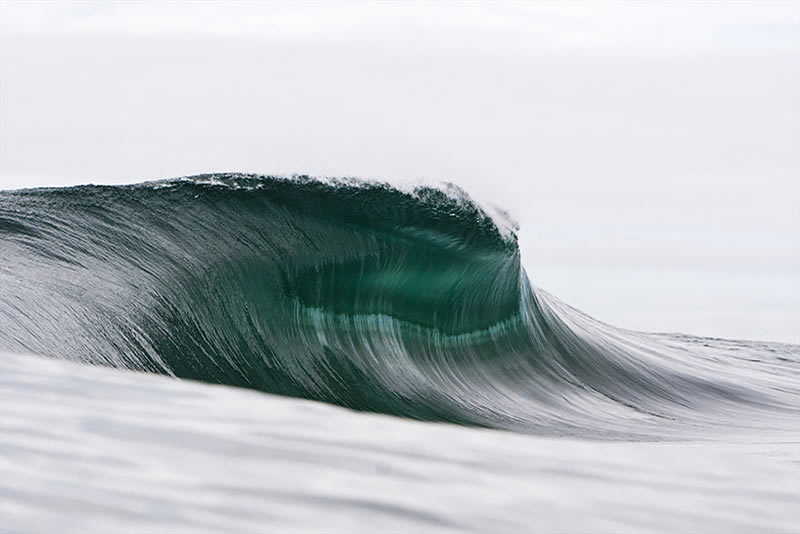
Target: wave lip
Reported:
point(412, 303)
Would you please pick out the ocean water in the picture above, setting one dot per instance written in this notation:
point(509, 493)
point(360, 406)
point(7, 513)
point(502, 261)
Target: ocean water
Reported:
point(240, 353)
point(85, 449)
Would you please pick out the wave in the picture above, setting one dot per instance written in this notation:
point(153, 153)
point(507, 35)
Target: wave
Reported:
point(412, 303)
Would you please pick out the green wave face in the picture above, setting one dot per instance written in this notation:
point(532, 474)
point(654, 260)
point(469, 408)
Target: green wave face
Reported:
point(407, 303)
point(438, 288)
point(427, 259)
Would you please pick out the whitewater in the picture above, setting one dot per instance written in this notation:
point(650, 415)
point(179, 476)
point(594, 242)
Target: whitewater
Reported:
point(243, 353)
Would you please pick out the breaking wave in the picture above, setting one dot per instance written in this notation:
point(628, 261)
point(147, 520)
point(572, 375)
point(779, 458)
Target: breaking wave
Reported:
point(412, 303)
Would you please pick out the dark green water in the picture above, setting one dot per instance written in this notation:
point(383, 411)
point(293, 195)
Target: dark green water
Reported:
point(411, 303)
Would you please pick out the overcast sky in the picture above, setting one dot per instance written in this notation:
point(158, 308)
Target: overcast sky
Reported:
point(649, 151)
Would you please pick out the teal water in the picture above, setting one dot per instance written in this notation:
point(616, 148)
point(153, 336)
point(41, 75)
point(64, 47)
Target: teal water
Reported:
point(412, 303)
point(267, 294)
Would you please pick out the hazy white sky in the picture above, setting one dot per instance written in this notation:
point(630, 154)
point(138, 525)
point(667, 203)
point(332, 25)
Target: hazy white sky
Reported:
point(649, 150)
